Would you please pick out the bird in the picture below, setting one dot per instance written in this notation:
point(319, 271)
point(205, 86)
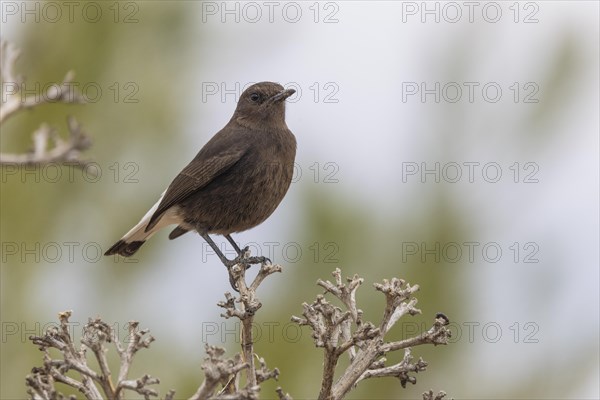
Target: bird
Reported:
point(234, 183)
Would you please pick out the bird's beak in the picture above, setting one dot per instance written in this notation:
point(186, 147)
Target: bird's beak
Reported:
point(281, 96)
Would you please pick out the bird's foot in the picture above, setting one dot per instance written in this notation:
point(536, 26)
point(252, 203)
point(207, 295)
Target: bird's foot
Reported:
point(244, 258)
point(245, 261)
point(254, 260)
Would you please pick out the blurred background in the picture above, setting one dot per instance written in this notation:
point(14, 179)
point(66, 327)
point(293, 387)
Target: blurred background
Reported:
point(453, 145)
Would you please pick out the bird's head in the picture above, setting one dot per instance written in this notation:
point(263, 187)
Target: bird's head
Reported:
point(262, 102)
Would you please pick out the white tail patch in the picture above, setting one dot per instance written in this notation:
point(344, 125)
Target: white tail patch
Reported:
point(138, 232)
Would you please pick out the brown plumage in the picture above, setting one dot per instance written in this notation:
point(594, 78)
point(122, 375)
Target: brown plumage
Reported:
point(234, 183)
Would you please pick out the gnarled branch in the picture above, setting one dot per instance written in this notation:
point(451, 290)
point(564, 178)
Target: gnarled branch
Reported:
point(333, 330)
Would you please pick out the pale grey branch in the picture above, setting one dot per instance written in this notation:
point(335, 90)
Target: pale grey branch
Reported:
point(96, 335)
point(243, 307)
point(338, 331)
point(334, 329)
point(48, 146)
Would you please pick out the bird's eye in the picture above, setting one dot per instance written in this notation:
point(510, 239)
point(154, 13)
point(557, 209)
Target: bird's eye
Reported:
point(254, 97)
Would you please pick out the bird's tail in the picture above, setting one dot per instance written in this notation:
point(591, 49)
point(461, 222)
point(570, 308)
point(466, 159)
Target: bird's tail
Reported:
point(133, 240)
point(137, 236)
point(124, 248)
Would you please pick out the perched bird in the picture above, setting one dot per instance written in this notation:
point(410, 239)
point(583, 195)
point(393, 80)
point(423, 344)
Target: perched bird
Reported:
point(234, 183)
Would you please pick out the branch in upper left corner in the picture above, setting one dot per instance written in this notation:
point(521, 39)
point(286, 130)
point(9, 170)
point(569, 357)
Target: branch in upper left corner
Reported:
point(48, 146)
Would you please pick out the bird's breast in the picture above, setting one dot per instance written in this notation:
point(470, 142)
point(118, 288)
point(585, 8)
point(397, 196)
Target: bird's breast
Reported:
point(249, 192)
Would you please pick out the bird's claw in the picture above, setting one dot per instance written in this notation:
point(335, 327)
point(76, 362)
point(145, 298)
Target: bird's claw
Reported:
point(245, 253)
point(247, 261)
point(243, 260)
point(263, 260)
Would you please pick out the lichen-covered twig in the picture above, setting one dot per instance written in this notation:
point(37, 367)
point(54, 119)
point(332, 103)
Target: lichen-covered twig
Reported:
point(92, 384)
point(338, 331)
point(430, 396)
point(226, 372)
point(221, 375)
point(217, 370)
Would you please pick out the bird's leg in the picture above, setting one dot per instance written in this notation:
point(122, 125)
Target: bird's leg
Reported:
point(234, 244)
point(228, 263)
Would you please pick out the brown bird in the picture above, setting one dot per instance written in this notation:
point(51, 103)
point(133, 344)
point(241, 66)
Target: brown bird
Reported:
point(234, 183)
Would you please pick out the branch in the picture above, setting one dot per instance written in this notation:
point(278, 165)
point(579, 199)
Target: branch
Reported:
point(221, 380)
point(244, 307)
point(67, 152)
point(55, 370)
point(339, 331)
point(336, 330)
point(430, 396)
point(216, 370)
point(48, 146)
point(399, 370)
point(96, 335)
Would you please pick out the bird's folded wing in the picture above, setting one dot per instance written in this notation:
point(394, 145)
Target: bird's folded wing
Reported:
point(195, 176)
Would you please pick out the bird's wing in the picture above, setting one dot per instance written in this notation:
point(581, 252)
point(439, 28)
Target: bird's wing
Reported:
point(198, 173)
